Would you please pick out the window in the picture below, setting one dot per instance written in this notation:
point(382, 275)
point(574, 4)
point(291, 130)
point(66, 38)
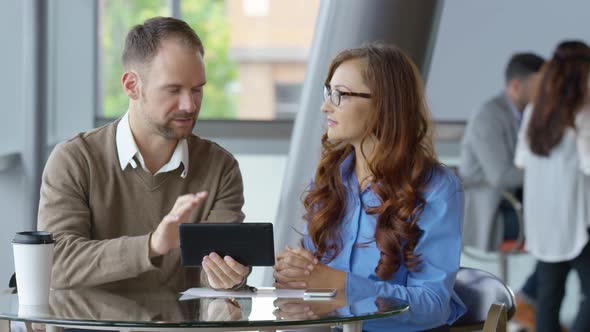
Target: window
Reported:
point(287, 99)
point(255, 53)
point(115, 18)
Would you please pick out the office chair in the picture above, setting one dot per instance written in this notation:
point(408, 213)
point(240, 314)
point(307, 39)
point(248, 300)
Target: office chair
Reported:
point(506, 247)
point(511, 247)
point(490, 302)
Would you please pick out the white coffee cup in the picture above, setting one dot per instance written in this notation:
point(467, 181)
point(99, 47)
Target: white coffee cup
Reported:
point(33, 259)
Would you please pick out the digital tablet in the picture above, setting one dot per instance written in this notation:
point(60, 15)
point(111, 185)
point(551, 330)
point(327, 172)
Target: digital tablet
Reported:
point(251, 244)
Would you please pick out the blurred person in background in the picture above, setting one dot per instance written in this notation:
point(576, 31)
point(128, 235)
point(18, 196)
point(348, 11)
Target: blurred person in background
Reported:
point(487, 154)
point(554, 151)
point(487, 168)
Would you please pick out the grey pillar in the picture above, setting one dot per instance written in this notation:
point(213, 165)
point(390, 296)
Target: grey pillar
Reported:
point(34, 104)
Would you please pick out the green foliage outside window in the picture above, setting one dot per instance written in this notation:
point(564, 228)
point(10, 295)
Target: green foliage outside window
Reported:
point(209, 20)
point(206, 17)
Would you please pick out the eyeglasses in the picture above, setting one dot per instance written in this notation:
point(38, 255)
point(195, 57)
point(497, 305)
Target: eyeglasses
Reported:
point(336, 95)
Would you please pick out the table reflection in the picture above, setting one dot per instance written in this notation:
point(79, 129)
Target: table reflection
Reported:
point(162, 308)
point(95, 304)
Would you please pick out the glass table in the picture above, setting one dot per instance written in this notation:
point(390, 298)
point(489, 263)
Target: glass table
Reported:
point(160, 310)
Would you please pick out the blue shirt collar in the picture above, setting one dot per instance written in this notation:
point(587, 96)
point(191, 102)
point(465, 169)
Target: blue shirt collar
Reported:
point(346, 168)
point(348, 175)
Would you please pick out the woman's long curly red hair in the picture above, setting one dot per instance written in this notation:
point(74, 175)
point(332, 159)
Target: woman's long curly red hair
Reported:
point(401, 165)
point(561, 94)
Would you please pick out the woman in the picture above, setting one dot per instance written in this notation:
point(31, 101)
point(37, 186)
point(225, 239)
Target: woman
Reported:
point(384, 217)
point(554, 150)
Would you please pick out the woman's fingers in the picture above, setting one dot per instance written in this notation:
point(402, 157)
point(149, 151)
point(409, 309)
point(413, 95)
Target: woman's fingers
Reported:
point(306, 254)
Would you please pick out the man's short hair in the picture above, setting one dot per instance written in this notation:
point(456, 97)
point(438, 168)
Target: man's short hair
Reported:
point(522, 65)
point(144, 40)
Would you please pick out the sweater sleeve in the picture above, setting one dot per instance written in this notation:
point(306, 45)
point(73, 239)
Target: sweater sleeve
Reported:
point(428, 290)
point(79, 260)
point(228, 204)
point(229, 199)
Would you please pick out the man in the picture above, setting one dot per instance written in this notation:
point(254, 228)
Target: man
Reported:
point(114, 197)
point(487, 168)
point(487, 152)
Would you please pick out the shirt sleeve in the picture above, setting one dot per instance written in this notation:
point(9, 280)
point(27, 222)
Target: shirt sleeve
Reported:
point(522, 142)
point(64, 211)
point(306, 239)
point(428, 290)
point(583, 140)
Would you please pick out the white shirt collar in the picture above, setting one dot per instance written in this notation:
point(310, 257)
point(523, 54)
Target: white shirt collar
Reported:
point(127, 149)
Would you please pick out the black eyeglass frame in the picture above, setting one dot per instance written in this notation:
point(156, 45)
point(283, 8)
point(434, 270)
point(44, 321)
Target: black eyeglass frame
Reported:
point(328, 92)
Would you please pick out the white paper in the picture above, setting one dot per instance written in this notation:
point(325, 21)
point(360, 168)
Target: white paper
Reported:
point(192, 293)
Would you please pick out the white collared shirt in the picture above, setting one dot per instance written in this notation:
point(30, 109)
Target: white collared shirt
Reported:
point(127, 149)
point(556, 192)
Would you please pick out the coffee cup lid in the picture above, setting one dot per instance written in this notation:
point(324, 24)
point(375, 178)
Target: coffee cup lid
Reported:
point(33, 238)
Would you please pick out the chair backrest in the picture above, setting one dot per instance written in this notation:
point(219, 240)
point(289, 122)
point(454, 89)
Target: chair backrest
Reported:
point(479, 289)
point(506, 247)
point(12, 282)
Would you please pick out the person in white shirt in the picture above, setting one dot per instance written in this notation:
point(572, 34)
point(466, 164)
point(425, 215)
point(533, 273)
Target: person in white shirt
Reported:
point(553, 148)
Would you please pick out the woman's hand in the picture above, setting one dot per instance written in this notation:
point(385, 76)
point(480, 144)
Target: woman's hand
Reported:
point(293, 309)
point(299, 269)
point(293, 268)
point(299, 309)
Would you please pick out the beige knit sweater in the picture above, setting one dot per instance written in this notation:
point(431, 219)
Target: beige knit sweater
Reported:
point(102, 217)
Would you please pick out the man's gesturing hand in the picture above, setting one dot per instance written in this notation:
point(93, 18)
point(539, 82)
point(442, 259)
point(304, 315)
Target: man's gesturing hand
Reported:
point(165, 237)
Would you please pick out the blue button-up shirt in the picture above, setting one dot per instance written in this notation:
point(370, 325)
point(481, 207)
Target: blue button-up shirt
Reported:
point(429, 291)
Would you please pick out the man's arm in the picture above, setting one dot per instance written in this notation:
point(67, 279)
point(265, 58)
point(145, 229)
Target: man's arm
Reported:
point(229, 199)
point(64, 210)
point(494, 152)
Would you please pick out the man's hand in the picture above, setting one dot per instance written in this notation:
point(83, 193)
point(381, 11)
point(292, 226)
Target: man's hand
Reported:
point(165, 237)
point(224, 273)
point(223, 310)
point(293, 268)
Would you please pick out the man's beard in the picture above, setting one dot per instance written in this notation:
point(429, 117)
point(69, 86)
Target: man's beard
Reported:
point(170, 132)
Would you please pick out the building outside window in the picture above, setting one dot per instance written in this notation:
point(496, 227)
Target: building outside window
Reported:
point(256, 52)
